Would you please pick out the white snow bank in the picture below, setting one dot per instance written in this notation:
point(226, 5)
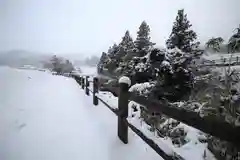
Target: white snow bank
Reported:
point(41, 118)
point(46, 117)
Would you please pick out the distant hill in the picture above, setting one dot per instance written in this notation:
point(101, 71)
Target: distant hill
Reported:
point(79, 59)
point(18, 58)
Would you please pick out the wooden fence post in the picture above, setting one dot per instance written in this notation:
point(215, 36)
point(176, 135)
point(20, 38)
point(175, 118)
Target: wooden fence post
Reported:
point(237, 59)
point(95, 90)
point(82, 82)
point(87, 85)
point(124, 83)
point(77, 79)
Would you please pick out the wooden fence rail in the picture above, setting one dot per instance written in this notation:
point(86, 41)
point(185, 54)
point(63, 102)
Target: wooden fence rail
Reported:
point(210, 125)
point(222, 62)
point(122, 113)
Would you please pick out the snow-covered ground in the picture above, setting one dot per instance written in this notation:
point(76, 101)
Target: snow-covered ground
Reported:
point(46, 117)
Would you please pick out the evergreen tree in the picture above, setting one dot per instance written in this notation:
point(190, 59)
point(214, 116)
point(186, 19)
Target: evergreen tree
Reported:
point(101, 62)
point(113, 50)
point(104, 57)
point(214, 43)
point(109, 50)
point(142, 41)
point(182, 36)
point(60, 65)
point(234, 42)
point(56, 64)
point(125, 46)
point(113, 62)
point(127, 42)
point(67, 67)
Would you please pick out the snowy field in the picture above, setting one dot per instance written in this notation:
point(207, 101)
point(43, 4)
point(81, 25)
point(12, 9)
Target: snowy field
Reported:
point(46, 117)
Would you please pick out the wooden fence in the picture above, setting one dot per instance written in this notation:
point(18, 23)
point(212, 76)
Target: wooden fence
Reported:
point(211, 125)
point(222, 62)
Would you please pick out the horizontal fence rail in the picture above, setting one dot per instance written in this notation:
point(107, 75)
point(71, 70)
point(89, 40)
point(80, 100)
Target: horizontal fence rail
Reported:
point(210, 125)
point(223, 62)
point(123, 124)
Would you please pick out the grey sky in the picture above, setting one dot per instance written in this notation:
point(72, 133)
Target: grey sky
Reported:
point(91, 26)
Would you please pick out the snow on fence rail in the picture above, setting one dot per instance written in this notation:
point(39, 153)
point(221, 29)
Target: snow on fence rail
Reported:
point(210, 125)
point(231, 61)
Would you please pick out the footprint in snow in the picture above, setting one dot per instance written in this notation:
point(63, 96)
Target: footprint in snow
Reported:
point(21, 126)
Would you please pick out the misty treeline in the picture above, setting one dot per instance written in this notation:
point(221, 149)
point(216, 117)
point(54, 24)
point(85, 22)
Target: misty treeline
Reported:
point(173, 74)
point(59, 65)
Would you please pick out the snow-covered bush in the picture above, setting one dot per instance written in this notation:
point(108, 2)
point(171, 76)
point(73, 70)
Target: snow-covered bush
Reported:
point(59, 65)
point(217, 94)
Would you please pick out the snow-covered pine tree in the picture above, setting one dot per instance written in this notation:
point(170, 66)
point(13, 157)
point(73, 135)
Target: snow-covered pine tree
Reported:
point(113, 62)
point(67, 67)
point(60, 65)
point(113, 50)
point(109, 50)
point(234, 42)
point(214, 43)
point(142, 41)
point(182, 36)
point(126, 46)
point(56, 64)
point(102, 61)
point(127, 42)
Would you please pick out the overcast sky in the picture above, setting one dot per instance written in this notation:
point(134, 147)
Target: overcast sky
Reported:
point(91, 26)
